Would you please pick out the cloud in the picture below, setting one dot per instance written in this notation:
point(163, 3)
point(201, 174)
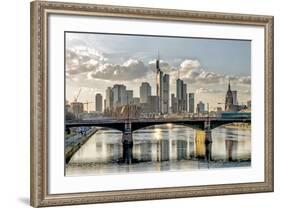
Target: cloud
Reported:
point(189, 64)
point(95, 65)
point(164, 66)
point(192, 72)
point(82, 59)
point(129, 70)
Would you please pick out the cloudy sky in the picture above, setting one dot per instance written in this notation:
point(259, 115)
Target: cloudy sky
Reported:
point(96, 61)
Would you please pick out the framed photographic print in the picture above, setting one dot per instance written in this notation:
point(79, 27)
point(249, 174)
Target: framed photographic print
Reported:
point(142, 103)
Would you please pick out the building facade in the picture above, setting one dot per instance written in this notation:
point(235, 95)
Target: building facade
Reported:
point(145, 91)
point(181, 96)
point(166, 92)
point(108, 98)
point(159, 84)
point(200, 107)
point(99, 102)
point(191, 101)
point(129, 96)
point(119, 95)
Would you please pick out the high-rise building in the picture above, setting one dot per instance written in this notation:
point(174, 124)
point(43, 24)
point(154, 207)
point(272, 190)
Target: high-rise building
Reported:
point(145, 91)
point(159, 84)
point(184, 94)
point(98, 102)
point(166, 90)
point(129, 96)
point(153, 104)
point(119, 95)
point(200, 107)
point(191, 102)
point(174, 106)
point(136, 100)
point(108, 98)
point(181, 96)
point(234, 95)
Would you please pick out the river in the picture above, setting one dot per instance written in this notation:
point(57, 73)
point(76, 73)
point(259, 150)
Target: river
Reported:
point(163, 148)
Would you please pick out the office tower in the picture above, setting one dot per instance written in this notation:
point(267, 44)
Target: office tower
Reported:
point(174, 106)
point(191, 102)
point(109, 98)
point(200, 107)
point(136, 101)
point(234, 95)
point(129, 96)
point(145, 91)
point(153, 104)
point(119, 95)
point(98, 102)
point(159, 84)
point(162, 88)
point(184, 98)
point(181, 96)
point(166, 90)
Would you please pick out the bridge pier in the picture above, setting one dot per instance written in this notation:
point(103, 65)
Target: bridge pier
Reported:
point(208, 145)
point(127, 141)
point(208, 140)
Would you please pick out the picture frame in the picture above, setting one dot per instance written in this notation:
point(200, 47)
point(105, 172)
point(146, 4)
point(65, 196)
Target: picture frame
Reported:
point(40, 89)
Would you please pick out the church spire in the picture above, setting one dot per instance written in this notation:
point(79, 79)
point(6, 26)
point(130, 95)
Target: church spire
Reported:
point(229, 89)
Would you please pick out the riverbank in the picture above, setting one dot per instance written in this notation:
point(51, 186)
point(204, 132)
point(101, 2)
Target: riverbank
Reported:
point(73, 144)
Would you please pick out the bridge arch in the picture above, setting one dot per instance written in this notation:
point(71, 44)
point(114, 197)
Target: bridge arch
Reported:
point(138, 126)
point(216, 124)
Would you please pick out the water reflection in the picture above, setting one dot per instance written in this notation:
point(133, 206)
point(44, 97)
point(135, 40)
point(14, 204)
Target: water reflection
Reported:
point(162, 148)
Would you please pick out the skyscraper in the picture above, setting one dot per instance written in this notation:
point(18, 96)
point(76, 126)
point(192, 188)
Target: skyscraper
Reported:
point(153, 104)
point(191, 102)
point(159, 84)
point(109, 98)
point(129, 96)
point(166, 90)
point(162, 88)
point(181, 96)
point(184, 94)
point(119, 95)
point(98, 102)
point(145, 91)
point(234, 95)
point(174, 106)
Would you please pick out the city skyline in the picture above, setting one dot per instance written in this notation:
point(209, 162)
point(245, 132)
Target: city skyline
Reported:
point(93, 68)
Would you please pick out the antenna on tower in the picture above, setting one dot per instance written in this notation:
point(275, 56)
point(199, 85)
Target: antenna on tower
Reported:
point(179, 73)
point(157, 61)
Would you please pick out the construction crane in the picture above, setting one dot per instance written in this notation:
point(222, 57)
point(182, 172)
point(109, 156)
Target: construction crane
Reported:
point(76, 97)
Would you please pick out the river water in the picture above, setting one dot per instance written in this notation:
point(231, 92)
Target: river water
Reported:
point(163, 148)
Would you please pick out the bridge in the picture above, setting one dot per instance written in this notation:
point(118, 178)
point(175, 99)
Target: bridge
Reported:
point(128, 126)
point(201, 123)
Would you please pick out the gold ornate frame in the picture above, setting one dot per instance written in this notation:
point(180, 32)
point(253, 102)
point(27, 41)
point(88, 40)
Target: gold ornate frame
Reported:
point(39, 103)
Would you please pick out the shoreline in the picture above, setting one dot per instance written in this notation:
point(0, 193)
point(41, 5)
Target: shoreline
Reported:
point(73, 147)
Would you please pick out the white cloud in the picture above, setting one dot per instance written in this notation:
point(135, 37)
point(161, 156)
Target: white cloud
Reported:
point(129, 70)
